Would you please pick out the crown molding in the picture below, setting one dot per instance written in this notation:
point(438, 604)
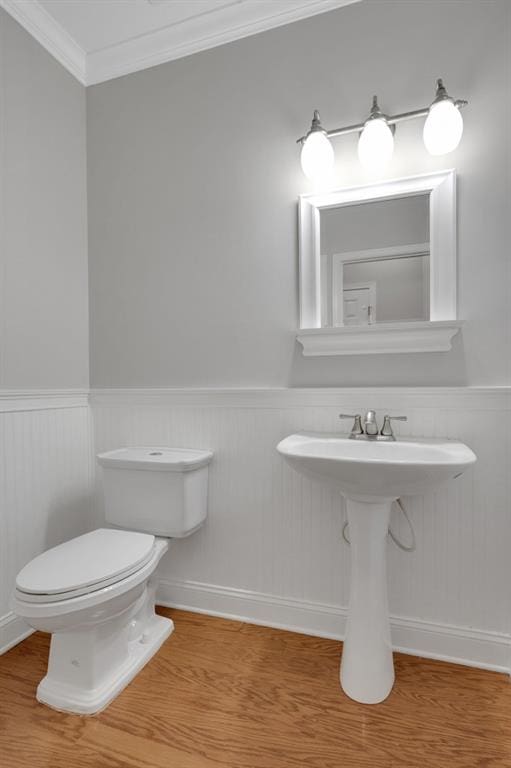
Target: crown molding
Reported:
point(228, 23)
point(54, 38)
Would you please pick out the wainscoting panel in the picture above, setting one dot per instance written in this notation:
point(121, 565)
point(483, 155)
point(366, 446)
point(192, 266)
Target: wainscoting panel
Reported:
point(46, 484)
point(272, 543)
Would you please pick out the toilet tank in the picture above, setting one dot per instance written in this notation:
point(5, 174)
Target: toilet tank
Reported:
point(163, 491)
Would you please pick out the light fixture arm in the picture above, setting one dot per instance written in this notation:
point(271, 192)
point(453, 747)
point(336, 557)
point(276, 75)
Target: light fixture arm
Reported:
point(376, 113)
point(316, 122)
point(316, 127)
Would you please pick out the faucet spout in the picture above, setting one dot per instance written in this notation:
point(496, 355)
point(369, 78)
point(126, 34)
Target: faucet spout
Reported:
point(370, 424)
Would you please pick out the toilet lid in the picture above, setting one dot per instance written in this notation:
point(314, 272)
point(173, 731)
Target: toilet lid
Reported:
point(85, 562)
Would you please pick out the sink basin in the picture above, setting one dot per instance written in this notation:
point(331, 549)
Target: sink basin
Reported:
point(373, 469)
point(372, 475)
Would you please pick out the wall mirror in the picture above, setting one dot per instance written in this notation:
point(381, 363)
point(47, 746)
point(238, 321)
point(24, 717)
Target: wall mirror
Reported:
point(378, 267)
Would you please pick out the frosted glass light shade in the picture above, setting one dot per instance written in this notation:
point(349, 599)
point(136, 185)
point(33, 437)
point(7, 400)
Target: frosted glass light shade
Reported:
point(317, 156)
point(375, 145)
point(443, 128)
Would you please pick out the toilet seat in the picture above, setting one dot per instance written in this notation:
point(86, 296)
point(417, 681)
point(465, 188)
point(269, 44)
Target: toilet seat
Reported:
point(94, 600)
point(84, 565)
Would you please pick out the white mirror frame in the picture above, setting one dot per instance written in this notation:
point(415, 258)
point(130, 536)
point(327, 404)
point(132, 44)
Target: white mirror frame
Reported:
point(426, 336)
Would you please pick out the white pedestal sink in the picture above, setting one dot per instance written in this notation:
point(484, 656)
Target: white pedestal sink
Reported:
point(371, 475)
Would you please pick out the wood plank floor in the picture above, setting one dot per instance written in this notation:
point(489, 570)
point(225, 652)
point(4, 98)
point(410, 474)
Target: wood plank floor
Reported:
point(223, 694)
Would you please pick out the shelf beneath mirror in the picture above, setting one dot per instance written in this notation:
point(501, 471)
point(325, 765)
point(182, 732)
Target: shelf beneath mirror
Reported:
point(379, 338)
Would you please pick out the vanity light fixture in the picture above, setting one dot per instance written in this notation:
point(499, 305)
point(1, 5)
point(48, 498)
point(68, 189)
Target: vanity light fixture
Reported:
point(376, 142)
point(443, 128)
point(442, 134)
point(317, 156)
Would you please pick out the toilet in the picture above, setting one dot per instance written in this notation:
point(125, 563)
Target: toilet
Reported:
point(95, 594)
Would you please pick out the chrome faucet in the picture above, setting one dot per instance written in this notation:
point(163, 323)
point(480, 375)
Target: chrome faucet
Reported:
point(370, 424)
point(368, 429)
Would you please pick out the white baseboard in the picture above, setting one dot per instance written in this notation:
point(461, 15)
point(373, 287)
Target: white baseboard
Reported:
point(460, 645)
point(12, 631)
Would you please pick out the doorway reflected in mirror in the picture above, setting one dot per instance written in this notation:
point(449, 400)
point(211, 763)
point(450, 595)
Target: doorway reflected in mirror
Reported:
point(375, 265)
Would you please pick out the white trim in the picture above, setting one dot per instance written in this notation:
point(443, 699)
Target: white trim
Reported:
point(232, 21)
point(489, 398)
point(377, 254)
point(49, 33)
point(461, 645)
point(379, 338)
point(442, 248)
point(453, 398)
point(442, 188)
point(42, 399)
point(12, 631)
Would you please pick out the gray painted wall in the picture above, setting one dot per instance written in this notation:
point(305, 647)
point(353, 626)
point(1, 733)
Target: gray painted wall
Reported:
point(194, 175)
point(43, 218)
point(398, 221)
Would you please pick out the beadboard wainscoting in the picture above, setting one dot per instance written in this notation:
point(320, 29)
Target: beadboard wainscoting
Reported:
point(46, 482)
point(271, 550)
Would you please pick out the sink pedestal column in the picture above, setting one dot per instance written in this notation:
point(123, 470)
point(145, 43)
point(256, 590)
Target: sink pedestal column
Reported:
point(367, 668)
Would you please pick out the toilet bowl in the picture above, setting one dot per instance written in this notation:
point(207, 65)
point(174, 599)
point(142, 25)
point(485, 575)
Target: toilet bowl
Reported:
point(104, 630)
point(95, 594)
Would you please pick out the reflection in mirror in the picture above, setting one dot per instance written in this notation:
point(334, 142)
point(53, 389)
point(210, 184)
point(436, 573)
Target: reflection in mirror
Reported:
point(375, 265)
point(385, 291)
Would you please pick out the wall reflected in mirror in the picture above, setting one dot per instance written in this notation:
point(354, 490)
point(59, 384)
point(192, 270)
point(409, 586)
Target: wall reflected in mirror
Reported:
point(375, 262)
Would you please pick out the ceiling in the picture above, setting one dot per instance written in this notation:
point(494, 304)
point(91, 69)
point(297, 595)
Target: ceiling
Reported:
point(97, 40)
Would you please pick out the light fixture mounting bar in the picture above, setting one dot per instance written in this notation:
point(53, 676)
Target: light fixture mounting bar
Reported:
point(391, 120)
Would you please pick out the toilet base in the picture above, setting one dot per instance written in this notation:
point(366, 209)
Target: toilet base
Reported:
point(81, 697)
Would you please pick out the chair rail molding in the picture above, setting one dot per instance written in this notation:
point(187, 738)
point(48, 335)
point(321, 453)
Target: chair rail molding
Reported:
point(42, 399)
point(453, 397)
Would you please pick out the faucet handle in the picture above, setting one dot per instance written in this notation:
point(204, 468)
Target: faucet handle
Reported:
point(386, 429)
point(357, 424)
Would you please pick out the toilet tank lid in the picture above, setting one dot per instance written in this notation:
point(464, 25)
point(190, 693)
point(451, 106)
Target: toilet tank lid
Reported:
point(155, 458)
